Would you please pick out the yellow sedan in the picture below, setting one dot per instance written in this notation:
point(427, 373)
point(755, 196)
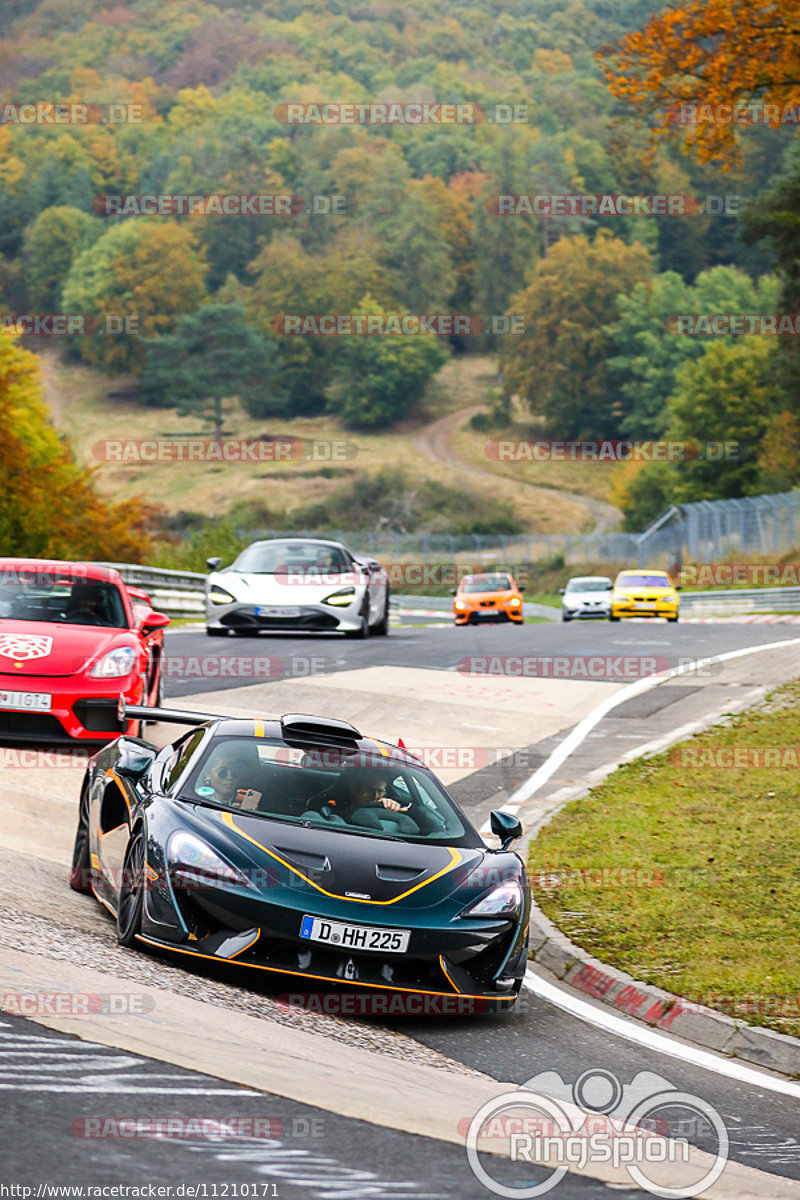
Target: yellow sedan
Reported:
point(644, 594)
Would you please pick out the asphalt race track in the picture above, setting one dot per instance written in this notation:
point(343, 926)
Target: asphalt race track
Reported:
point(322, 1132)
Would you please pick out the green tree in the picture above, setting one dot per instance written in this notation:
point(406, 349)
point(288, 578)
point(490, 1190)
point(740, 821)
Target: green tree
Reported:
point(505, 247)
point(377, 380)
point(213, 356)
point(150, 272)
point(730, 394)
point(649, 354)
point(52, 242)
point(558, 364)
point(290, 281)
point(648, 357)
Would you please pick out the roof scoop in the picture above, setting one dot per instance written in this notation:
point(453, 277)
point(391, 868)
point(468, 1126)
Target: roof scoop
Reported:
point(301, 725)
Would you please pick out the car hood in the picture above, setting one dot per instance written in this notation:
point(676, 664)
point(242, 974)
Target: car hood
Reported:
point(649, 593)
point(476, 597)
point(345, 866)
point(40, 648)
point(310, 588)
point(584, 596)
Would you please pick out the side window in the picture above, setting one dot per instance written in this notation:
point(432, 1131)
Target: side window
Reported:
point(183, 754)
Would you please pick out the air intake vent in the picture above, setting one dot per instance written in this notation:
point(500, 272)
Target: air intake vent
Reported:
point(301, 727)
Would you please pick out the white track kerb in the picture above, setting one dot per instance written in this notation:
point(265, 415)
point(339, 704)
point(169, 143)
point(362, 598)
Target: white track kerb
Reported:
point(563, 997)
point(585, 727)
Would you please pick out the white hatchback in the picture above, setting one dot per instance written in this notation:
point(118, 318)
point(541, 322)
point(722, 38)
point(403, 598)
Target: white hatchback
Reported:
point(586, 596)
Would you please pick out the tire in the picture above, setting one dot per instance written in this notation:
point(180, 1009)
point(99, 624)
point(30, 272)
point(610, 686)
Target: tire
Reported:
point(131, 892)
point(363, 630)
point(80, 872)
point(564, 617)
point(246, 632)
point(215, 632)
point(611, 617)
point(673, 620)
point(382, 628)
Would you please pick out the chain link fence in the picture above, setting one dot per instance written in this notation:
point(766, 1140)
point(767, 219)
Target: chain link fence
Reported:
point(702, 532)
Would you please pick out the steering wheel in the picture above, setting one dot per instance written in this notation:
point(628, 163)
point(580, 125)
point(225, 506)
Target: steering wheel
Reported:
point(82, 616)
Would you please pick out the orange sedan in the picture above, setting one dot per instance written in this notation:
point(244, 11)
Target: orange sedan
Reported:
point(494, 597)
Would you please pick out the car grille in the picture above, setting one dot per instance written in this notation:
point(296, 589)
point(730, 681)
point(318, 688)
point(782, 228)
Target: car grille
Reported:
point(372, 969)
point(309, 620)
point(26, 726)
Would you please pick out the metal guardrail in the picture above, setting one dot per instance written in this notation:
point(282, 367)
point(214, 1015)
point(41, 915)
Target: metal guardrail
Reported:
point(181, 594)
point(177, 593)
point(742, 600)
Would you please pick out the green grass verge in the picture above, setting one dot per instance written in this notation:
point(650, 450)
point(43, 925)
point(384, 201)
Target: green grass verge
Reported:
point(687, 874)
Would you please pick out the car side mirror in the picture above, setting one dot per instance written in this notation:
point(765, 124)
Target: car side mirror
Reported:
point(609, 587)
point(134, 759)
point(214, 564)
point(154, 620)
point(452, 591)
point(678, 587)
point(561, 591)
point(521, 590)
point(506, 827)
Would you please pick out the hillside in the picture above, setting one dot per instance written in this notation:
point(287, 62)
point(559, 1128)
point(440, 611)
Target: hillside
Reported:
point(85, 407)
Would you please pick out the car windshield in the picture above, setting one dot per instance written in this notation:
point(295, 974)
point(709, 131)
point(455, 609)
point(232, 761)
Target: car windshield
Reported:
point(346, 790)
point(588, 585)
point(486, 583)
point(273, 558)
point(38, 596)
point(648, 580)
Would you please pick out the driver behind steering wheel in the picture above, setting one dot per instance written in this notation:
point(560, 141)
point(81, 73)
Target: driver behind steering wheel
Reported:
point(88, 605)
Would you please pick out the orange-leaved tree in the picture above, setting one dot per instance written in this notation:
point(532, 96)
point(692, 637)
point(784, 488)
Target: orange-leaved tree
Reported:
point(707, 56)
point(49, 506)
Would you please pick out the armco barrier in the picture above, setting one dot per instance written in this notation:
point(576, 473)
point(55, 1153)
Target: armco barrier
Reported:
point(177, 593)
point(741, 600)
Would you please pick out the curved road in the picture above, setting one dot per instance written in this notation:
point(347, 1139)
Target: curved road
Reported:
point(436, 442)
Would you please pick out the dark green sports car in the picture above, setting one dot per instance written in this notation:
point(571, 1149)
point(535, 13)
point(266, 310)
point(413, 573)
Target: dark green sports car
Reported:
point(300, 847)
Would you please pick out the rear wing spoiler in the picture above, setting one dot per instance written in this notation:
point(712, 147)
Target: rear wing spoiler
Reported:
point(175, 716)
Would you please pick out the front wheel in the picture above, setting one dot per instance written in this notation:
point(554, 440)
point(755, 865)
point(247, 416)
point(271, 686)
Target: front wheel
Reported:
point(611, 617)
point(363, 629)
point(215, 632)
point(80, 872)
point(564, 617)
point(382, 628)
point(672, 620)
point(131, 892)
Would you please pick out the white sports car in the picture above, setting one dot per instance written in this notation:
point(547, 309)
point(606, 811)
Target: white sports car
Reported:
point(297, 584)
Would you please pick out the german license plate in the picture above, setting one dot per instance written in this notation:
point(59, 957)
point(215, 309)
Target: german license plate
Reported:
point(355, 937)
point(276, 611)
point(37, 701)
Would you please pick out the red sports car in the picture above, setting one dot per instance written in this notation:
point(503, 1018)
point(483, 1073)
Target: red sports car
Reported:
point(73, 638)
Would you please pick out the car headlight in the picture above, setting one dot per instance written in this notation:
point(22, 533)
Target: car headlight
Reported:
point(343, 596)
point(218, 595)
point(117, 662)
point(192, 863)
point(516, 601)
point(460, 605)
point(502, 901)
